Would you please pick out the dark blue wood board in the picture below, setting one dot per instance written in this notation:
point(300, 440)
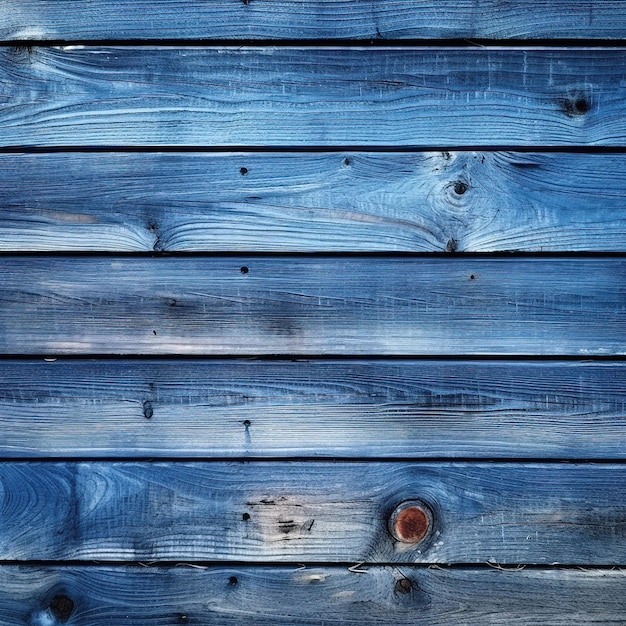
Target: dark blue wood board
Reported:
point(355, 408)
point(308, 596)
point(299, 96)
point(245, 305)
point(303, 512)
point(349, 201)
point(315, 19)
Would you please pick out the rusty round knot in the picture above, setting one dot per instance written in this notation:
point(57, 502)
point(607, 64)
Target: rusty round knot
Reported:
point(411, 522)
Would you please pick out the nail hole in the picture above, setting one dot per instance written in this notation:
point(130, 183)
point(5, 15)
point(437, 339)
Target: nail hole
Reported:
point(247, 423)
point(460, 187)
point(472, 276)
point(61, 607)
point(233, 580)
point(243, 269)
point(148, 411)
point(581, 105)
point(244, 170)
point(578, 105)
point(245, 517)
point(347, 162)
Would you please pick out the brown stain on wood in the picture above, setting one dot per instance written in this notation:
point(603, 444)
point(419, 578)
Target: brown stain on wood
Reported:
point(411, 522)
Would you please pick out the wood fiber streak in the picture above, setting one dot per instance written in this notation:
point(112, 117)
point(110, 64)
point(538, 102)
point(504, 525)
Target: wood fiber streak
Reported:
point(300, 512)
point(344, 409)
point(140, 596)
point(313, 202)
point(317, 19)
point(127, 96)
point(322, 305)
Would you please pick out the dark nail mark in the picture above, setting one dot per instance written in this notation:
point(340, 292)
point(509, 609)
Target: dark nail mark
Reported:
point(247, 423)
point(472, 276)
point(243, 269)
point(171, 302)
point(183, 619)
point(347, 162)
point(244, 170)
point(154, 332)
point(245, 517)
point(451, 245)
point(148, 412)
point(233, 580)
point(62, 607)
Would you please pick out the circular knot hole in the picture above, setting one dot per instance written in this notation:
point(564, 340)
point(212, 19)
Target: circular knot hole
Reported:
point(62, 607)
point(411, 522)
point(460, 187)
point(404, 585)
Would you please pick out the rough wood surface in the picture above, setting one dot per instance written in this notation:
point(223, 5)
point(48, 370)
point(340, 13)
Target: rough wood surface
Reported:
point(312, 305)
point(154, 596)
point(298, 96)
point(350, 201)
point(373, 409)
point(320, 511)
point(366, 19)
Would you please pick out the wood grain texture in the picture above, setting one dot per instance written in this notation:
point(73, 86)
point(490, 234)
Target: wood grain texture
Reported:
point(325, 19)
point(321, 305)
point(319, 511)
point(142, 596)
point(300, 96)
point(373, 409)
point(350, 201)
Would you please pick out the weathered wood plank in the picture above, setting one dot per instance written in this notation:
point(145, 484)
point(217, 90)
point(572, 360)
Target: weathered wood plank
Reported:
point(312, 96)
point(313, 511)
point(221, 19)
point(322, 305)
point(351, 201)
point(313, 595)
point(221, 408)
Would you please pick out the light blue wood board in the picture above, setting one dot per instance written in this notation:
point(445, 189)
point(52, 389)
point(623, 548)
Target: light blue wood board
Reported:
point(299, 305)
point(308, 596)
point(349, 201)
point(223, 19)
point(316, 511)
point(344, 408)
point(303, 97)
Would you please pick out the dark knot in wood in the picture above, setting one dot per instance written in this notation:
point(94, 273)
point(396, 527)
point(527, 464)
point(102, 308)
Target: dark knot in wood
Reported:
point(61, 607)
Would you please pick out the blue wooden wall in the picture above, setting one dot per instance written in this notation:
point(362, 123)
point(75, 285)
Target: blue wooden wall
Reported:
point(312, 312)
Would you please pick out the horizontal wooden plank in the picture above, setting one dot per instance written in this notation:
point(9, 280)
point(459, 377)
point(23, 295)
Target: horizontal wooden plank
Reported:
point(314, 511)
point(312, 305)
point(308, 595)
point(298, 96)
point(350, 201)
point(220, 19)
point(220, 408)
